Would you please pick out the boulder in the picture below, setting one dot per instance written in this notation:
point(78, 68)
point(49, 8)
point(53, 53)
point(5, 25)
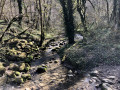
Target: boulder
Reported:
point(26, 76)
point(22, 67)
point(18, 80)
point(2, 69)
point(27, 67)
point(94, 73)
point(13, 66)
point(106, 86)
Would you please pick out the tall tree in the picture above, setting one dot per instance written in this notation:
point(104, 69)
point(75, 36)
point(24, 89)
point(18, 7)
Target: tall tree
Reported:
point(20, 11)
point(82, 12)
point(67, 7)
point(41, 24)
point(116, 13)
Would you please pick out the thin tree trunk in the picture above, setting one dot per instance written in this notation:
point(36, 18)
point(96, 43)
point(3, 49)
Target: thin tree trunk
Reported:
point(41, 24)
point(20, 11)
point(107, 10)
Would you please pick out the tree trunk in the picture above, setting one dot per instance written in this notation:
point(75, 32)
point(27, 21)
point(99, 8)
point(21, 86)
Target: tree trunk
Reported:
point(67, 8)
point(82, 11)
point(20, 11)
point(41, 24)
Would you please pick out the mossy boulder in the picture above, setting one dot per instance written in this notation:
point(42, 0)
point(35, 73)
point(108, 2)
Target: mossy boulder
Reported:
point(29, 59)
point(11, 74)
point(17, 73)
point(27, 67)
point(41, 69)
point(2, 69)
point(22, 55)
point(13, 42)
point(22, 67)
point(13, 66)
point(13, 55)
point(26, 76)
point(19, 80)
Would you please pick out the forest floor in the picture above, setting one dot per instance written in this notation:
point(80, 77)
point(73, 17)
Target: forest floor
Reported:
point(63, 77)
point(100, 56)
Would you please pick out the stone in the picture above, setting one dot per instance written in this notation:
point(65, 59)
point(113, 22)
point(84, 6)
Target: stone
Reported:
point(13, 66)
point(70, 72)
point(27, 67)
point(105, 86)
point(19, 80)
point(97, 79)
point(2, 69)
point(22, 67)
point(107, 81)
point(55, 74)
point(22, 55)
point(43, 65)
point(26, 76)
point(17, 73)
point(94, 73)
point(27, 89)
point(9, 73)
point(111, 77)
point(92, 81)
point(42, 84)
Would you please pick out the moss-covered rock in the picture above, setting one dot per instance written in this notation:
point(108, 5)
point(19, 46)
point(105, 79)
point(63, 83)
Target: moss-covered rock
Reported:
point(18, 80)
point(22, 55)
point(13, 55)
point(11, 74)
point(29, 59)
point(13, 66)
point(2, 69)
point(27, 67)
point(22, 67)
point(26, 76)
point(17, 73)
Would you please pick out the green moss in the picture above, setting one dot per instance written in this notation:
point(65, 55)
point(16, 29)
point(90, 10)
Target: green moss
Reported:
point(19, 80)
point(17, 73)
point(13, 66)
point(22, 67)
point(2, 69)
point(26, 76)
point(29, 58)
point(27, 67)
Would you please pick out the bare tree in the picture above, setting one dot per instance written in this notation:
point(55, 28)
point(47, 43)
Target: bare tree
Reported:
point(67, 7)
point(20, 11)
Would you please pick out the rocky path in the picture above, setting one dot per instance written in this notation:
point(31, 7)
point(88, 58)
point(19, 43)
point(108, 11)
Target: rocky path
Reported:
point(58, 77)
